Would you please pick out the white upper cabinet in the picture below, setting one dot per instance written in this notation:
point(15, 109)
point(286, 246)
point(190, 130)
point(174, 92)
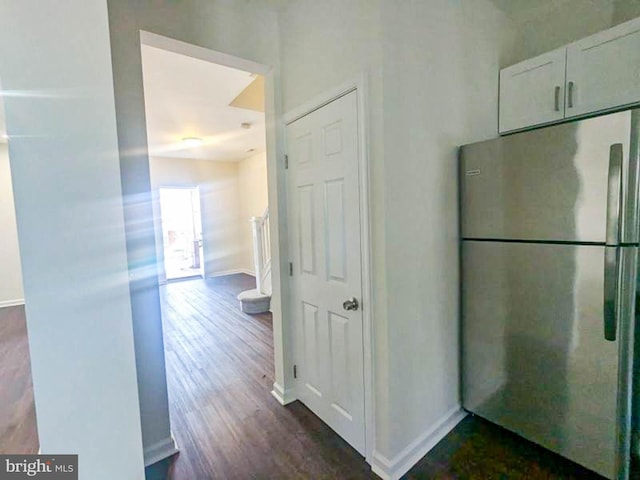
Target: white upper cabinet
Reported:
point(603, 70)
point(532, 92)
point(596, 74)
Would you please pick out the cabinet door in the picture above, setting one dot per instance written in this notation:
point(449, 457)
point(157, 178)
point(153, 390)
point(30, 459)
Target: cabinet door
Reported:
point(532, 92)
point(603, 70)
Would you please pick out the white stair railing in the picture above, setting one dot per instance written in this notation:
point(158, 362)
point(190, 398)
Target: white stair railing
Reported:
point(262, 252)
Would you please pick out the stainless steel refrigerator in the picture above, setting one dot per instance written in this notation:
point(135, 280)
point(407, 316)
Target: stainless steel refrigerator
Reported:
point(549, 225)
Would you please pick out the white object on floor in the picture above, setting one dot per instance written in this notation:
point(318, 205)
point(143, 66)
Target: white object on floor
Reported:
point(252, 301)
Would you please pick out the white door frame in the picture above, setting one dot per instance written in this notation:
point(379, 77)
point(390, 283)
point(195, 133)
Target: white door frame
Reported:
point(358, 85)
point(283, 388)
point(276, 177)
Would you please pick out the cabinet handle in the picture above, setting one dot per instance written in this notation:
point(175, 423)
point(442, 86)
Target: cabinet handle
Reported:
point(570, 95)
point(556, 99)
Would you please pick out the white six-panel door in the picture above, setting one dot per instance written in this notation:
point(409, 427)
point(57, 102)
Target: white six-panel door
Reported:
point(324, 217)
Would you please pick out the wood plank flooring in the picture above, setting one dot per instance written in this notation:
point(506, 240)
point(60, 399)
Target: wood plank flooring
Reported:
point(479, 450)
point(220, 374)
point(18, 433)
point(227, 424)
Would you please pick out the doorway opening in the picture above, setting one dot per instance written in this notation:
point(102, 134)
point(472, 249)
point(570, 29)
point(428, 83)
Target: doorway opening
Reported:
point(206, 134)
point(181, 221)
point(18, 429)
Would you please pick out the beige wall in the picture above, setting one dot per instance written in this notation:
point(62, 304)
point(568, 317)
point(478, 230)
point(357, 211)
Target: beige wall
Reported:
point(222, 240)
point(253, 197)
point(11, 292)
point(230, 194)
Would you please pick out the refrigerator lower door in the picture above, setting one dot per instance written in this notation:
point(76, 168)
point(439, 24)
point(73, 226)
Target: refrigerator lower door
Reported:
point(535, 359)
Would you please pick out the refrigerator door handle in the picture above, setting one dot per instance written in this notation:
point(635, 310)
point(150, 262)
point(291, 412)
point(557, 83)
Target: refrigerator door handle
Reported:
point(611, 269)
point(614, 195)
point(611, 251)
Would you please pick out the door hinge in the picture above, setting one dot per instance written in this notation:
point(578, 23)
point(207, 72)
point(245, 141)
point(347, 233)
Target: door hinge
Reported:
point(291, 269)
point(286, 162)
point(295, 371)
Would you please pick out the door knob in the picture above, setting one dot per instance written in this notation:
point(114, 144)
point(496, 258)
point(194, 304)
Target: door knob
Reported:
point(351, 304)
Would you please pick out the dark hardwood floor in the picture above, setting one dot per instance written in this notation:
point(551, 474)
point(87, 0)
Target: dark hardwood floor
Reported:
point(18, 432)
point(227, 424)
point(479, 450)
point(220, 374)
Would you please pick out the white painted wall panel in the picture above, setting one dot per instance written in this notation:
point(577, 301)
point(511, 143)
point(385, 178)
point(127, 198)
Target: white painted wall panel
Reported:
point(245, 29)
point(254, 200)
point(68, 196)
point(435, 99)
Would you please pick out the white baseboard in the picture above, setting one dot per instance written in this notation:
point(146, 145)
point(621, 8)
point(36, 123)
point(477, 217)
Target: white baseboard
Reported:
point(159, 451)
point(235, 271)
point(283, 396)
point(11, 303)
point(399, 465)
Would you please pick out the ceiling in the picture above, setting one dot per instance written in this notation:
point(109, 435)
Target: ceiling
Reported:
point(188, 97)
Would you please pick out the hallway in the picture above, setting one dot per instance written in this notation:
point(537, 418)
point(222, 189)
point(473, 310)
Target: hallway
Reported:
point(220, 375)
point(228, 426)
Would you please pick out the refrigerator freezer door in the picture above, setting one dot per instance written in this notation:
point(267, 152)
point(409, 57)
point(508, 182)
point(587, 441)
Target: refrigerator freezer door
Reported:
point(535, 359)
point(549, 184)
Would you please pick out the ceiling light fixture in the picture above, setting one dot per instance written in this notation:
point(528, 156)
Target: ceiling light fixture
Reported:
point(192, 141)
point(245, 125)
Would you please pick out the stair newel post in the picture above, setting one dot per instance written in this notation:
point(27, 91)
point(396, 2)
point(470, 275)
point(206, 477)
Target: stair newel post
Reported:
point(256, 228)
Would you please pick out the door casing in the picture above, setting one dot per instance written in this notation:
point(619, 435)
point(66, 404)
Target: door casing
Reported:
point(358, 85)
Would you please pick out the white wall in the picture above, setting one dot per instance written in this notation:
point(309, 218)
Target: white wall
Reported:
point(432, 70)
point(11, 292)
point(324, 44)
point(441, 62)
point(55, 58)
point(246, 29)
point(253, 199)
point(222, 235)
point(68, 196)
